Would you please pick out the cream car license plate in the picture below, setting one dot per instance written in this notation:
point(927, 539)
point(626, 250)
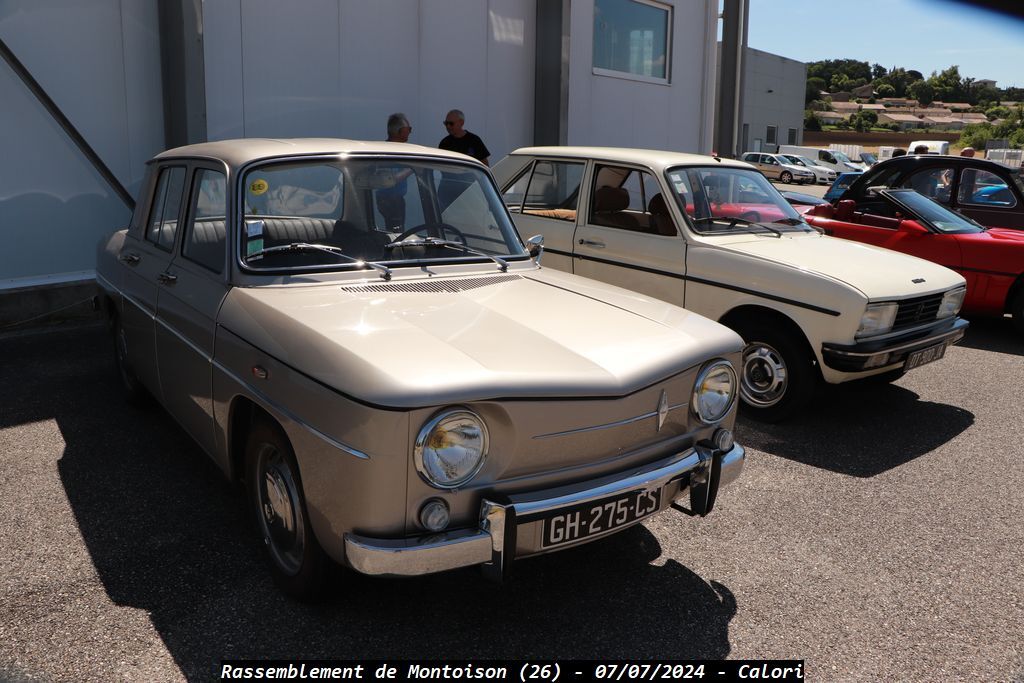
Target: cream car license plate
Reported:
point(918, 358)
point(589, 519)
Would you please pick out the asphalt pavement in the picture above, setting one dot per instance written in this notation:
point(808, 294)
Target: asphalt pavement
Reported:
point(878, 537)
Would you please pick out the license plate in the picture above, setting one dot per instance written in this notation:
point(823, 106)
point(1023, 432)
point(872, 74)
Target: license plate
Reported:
point(597, 517)
point(918, 358)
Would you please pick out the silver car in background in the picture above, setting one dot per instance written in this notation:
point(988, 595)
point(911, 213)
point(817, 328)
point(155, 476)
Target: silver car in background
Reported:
point(777, 167)
point(822, 174)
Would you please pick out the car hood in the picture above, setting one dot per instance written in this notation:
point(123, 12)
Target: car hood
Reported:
point(875, 272)
point(1008, 234)
point(420, 342)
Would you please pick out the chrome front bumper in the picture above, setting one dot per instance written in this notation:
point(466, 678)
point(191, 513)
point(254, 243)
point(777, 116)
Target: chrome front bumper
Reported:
point(512, 528)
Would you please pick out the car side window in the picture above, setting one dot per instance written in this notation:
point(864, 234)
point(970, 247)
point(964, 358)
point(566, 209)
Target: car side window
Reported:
point(935, 183)
point(622, 198)
point(554, 190)
point(979, 187)
point(515, 193)
point(163, 215)
point(205, 234)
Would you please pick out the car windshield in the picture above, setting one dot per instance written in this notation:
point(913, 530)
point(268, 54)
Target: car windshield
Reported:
point(362, 212)
point(721, 199)
point(798, 160)
point(868, 157)
point(931, 212)
point(840, 156)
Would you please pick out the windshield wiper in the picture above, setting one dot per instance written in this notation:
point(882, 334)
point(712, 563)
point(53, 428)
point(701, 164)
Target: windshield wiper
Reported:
point(438, 242)
point(744, 222)
point(385, 272)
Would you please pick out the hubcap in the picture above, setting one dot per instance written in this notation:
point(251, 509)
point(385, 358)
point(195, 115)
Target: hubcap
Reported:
point(764, 375)
point(280, 511)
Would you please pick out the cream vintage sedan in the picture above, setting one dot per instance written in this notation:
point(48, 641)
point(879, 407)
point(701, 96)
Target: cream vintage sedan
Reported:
point(356, 331)
point(715, 236)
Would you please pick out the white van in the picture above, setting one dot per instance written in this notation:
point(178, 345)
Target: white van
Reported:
point(934, 146)
point(829, 158)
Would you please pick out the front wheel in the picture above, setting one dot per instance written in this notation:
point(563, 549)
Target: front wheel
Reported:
point(778, 377)
point(274, 490)
point(786, 177)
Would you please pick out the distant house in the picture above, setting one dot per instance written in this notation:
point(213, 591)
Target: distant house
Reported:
point(954, 106)
point(864, 91)
point(984, 83)
point(946, 122)
point(829, 117)
point(846, 108)
point(904, 121)
point(898, 102)
point(971, 116)
point(877, 108)
point(841, 96)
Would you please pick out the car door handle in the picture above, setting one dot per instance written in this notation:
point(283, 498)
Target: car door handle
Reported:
point(130, 259)
point(592, 243)
point(167, 278)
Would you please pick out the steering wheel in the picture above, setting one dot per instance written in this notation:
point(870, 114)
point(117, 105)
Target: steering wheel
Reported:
point(433, 230)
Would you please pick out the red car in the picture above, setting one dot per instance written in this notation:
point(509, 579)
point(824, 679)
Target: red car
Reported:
point(991, 259)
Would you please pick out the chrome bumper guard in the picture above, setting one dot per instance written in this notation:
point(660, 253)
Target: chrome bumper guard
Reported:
point(494, 543)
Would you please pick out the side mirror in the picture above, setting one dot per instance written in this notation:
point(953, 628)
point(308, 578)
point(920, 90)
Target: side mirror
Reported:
point(535, 246)
point(912, 227)
point(822, 210)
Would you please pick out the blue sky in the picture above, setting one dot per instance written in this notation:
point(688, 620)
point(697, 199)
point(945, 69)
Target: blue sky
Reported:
point(927, 35)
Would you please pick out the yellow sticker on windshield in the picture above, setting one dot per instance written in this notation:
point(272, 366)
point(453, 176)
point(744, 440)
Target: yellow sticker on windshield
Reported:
point(258, 186)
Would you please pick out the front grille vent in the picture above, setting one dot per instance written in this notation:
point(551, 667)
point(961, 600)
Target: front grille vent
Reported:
point(434, 286)
point(917, 311)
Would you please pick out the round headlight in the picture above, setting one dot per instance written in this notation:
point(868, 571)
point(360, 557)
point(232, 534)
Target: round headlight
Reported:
point(451, 447)
point(715, 391)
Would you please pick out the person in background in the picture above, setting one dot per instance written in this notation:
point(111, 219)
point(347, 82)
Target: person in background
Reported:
point(898, 152)
point(399, 127)
point(391, 200)
point(921, 149)
point(461, 140)
point(967, 152)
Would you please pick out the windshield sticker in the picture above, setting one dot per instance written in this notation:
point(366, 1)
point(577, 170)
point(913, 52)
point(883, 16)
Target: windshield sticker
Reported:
point(254, 238)
point(258, 186)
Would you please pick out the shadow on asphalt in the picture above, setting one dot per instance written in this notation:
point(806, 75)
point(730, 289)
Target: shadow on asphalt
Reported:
point(994, 334)
point(859, 429)
point(169, 536)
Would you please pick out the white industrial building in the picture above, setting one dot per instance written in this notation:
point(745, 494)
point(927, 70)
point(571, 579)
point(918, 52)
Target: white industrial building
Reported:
point(91, 89)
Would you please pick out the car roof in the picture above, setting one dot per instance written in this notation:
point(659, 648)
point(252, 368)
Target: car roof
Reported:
point(236, 153)
point(657, 159)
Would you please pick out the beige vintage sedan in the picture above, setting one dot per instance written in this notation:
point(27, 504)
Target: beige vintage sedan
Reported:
point(356, 331)
point(715, 236)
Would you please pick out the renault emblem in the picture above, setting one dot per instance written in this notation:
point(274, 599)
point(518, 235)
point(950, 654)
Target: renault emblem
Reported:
point(662, 409)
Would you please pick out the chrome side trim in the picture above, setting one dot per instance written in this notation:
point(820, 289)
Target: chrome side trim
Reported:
point(594, 428)
point(289, 414)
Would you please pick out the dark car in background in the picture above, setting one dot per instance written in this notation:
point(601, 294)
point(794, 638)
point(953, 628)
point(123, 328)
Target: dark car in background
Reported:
point(841, 184)
point(988, 192)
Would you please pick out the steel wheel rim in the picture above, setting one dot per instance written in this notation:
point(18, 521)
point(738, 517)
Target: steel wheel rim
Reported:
point(765, 376)
point(786, 177)
point(280, 509)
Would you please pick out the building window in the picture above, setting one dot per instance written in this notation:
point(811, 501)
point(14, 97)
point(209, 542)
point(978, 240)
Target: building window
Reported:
point(770, 135)
point(791, 138)
point(632, 38)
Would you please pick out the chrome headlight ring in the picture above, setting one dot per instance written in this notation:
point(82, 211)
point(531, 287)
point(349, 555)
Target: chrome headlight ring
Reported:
point(715, 391)
point(451, 447)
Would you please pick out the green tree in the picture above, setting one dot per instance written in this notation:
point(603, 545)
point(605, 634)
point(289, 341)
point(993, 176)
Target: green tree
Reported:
point(921, 91)
point(811, 121)
point(877, 71)
point(976, 135)
point(815, 85)
point(947, 85)
point(839, 82)
point(997, 112)
point(886, 90)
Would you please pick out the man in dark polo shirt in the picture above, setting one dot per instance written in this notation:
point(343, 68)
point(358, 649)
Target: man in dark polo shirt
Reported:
point(461, 140)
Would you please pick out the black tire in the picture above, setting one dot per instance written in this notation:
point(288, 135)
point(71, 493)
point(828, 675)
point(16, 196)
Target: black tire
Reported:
point(274, 492)
point(777, 375)
point(134, 392)
point(786, 177)
point(1017, 310)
